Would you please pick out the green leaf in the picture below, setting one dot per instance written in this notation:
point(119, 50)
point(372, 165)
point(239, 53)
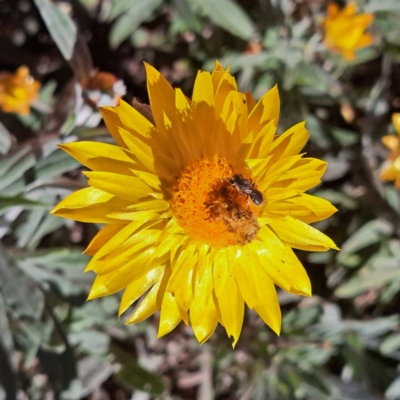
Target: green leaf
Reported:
point(337, 168)
point(337, 197)
point(91, 341)
point(119, 7)
point(59, 258)
point(390, 344)
point(6, 337)
point(12, 201)
point(92, 372)
point(61, 267)
point(335, 331)
point(61, 28)
point(14, 165)
point(136, 377)
point(392, 196)
point(238, 61)
point(344, 136)
point(393, 391)
point(17, 171)
point(370, 233)
point(187, 15)
point(47, 91)
point(57, 163)
point(21, 296)
point(388, 26)
point(5, 139)
point(49, 223)
point(25, 231)
point(305, 73)
point(382, 5)
point(366, 281)
point(228, 15)
point(138, 12)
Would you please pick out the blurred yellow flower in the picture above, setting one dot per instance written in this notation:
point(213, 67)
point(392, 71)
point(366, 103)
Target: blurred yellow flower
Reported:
point(18, 91)
point(345, 31)
point(202, 208)
point(391, 168)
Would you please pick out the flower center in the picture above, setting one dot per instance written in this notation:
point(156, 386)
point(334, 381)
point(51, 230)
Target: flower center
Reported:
point(212, 207)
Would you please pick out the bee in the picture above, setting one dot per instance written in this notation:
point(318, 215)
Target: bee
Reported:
point(242, 223)
point(224, 204)
point(247, 187)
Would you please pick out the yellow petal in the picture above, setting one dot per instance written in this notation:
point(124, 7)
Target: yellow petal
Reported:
point(226, 85)
point(391, 141)
point(135, 289)
point(145, 215)
point(131, 248)
point(113, 243)
point(170, 315)
point(349, 10)
point(277, 171)
point(102, 237)
point(333, 10)
point(301, 235)
point(203, 104)
point(251, 103)
point(217, 74)
point(90, 205)
point(221, 270)
point(181, 281)
point(231, 306)
point(118, 279)
point(113, 122)
point(280, 263)
point(127, 187)
point(149, 305)
point(266, 110)
point(268, 308)
point(365, 40)
point(279, 194)
point(168, 243)
point(396, 121)
point(320, 208)
point(189, 144)
point(348, 54)
point(161, 97)
point(149, 179)
point(388, 172)
point(133, 121)
point(294, 138)
point(204, 315)
point(243, 270)
point(203, 259)
point(101, 156)
point(142, 151)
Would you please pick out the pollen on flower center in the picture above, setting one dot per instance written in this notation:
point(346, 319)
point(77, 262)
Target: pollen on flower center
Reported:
point(210, 209)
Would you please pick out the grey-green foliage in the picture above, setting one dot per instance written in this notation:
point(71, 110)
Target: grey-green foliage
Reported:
point(63, 31)
point(343, 344)
point(131, 14)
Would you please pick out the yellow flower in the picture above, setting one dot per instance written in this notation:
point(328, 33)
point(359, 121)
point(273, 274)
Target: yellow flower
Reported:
point(344, 30)
point(202, 208)
point(391, 168)
point(18, 91)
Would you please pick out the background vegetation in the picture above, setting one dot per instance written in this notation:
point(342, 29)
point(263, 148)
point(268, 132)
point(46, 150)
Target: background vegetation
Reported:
point(343, 343)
